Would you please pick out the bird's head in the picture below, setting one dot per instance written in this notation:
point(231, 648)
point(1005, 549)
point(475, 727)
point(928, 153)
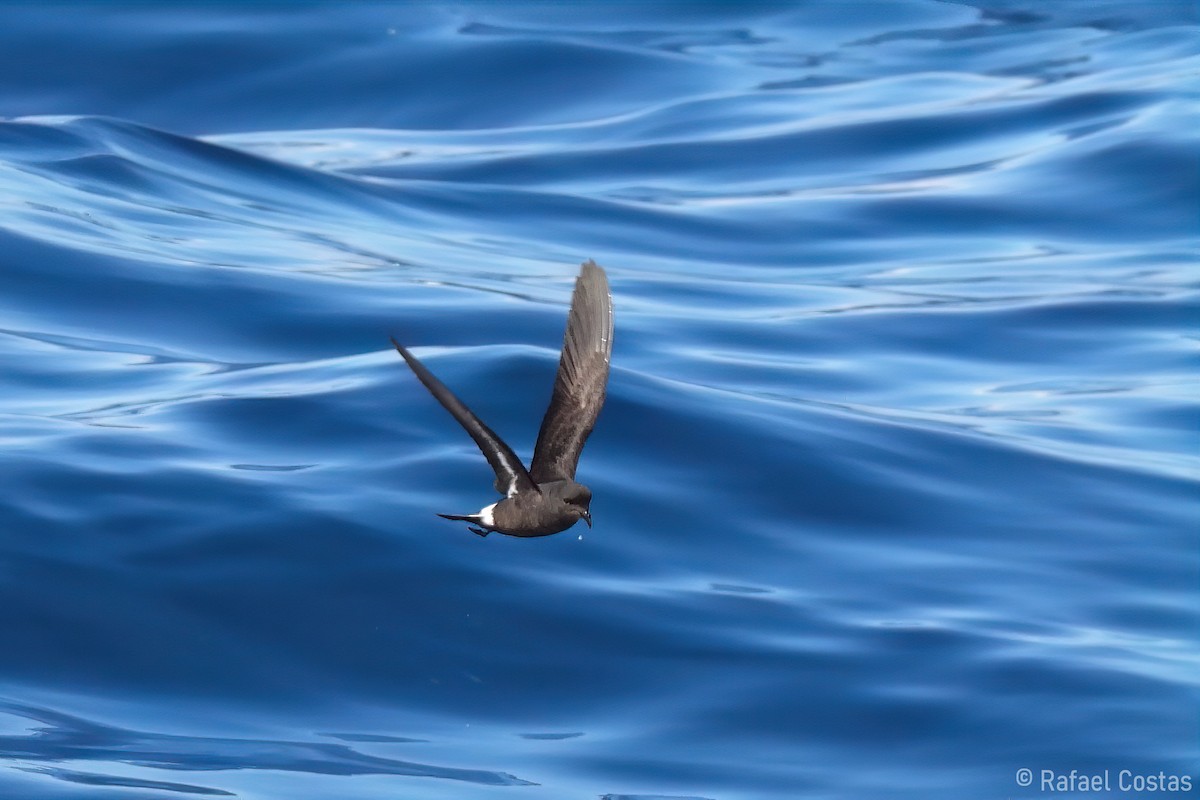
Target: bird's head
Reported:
point(579, 499)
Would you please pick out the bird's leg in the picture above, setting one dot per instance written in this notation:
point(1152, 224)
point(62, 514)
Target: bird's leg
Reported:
point(477, 531)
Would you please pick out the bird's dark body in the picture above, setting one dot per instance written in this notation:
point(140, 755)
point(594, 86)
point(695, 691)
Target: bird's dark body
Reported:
point(527, 514)
point(545, 499)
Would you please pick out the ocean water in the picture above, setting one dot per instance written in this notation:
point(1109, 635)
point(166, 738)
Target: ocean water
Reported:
point(896, 488)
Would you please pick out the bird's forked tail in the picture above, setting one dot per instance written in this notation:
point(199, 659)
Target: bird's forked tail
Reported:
point(463, 517)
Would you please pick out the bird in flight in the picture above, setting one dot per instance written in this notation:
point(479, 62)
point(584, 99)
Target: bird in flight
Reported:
point(545, 499)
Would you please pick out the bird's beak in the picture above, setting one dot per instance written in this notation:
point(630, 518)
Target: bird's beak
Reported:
point(587, 517)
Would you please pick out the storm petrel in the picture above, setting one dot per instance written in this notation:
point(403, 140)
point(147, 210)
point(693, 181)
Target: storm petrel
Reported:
point(545, 499)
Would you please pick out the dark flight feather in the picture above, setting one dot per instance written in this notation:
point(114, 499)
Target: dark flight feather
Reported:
point(511, 476)
point(579, 386)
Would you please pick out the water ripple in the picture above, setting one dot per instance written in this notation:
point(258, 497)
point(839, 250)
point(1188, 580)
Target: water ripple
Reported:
point(63, 737)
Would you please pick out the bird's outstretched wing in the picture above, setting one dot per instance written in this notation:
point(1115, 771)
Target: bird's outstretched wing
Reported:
point(582, 376)
point(511, 476)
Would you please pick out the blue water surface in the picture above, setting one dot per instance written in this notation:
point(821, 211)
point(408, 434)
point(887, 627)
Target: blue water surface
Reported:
point(896, 489)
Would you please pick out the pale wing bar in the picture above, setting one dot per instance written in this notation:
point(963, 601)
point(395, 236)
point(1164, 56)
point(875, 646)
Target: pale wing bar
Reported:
point(510, 473)
point(579, 386)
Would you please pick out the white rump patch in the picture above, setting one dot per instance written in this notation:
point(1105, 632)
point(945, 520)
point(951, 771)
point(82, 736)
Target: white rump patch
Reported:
point(485, 516)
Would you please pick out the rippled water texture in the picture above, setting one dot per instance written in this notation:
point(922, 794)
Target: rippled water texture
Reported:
point(895, 490)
